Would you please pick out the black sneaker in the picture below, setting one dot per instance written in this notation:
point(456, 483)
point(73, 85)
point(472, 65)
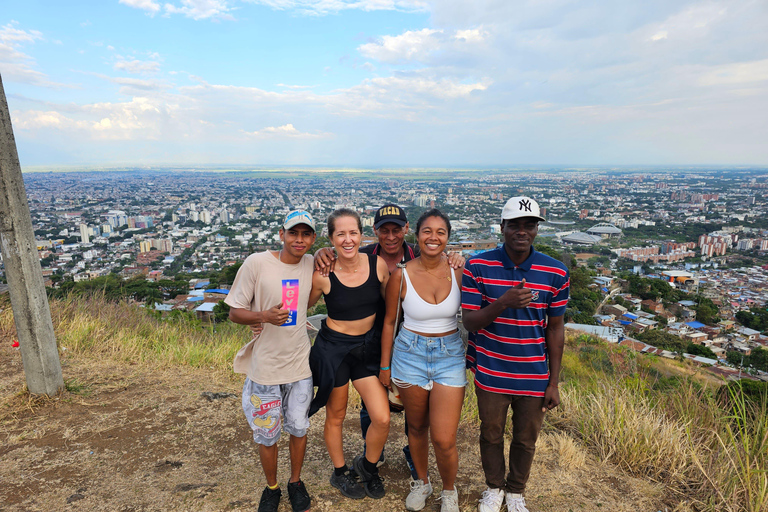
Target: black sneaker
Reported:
point(270, 499)
point(348, 485)
point(381, 460)
point(372, 482)
point(299, 496)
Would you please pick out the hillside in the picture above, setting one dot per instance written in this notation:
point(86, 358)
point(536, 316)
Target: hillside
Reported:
point(139, 433)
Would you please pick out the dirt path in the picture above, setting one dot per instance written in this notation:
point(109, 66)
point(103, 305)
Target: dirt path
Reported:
point(130, 438)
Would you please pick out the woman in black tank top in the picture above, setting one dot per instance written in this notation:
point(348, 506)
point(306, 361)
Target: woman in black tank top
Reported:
point(348, 348)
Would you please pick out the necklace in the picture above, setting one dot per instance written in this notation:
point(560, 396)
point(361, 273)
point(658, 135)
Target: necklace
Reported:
point(448, 277)
point(357, 265)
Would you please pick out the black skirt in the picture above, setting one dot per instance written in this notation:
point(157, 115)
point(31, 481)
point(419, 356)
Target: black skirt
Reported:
point(330, 349)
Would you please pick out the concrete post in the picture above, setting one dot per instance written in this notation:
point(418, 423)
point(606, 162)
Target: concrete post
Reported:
point(31, 313)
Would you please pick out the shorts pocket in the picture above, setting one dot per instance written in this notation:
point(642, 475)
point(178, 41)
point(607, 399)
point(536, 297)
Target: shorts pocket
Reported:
point(403, 344)
point(455, 347)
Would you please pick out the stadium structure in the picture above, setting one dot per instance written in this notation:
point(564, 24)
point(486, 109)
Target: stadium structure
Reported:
point(605, 230)
point(581, 238)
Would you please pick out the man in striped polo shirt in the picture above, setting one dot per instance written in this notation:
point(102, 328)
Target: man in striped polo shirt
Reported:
point(513, 300)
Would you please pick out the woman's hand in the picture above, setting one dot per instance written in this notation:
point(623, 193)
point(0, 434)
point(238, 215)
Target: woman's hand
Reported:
point(256, 329)
point(385, 378)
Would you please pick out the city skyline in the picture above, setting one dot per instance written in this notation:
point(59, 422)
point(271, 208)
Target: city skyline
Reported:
point(374, 83)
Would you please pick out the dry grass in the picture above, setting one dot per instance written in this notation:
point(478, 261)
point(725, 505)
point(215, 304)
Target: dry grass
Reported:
point(127, 333)
point(709, 457)
point(713, 456)
point(626, 428)
point(735, 464)
point(570, 454)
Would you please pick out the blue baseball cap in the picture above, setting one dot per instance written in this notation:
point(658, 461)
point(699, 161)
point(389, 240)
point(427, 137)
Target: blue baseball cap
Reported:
point(297, 217)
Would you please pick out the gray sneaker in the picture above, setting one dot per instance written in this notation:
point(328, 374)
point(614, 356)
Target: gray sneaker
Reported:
point(449, 501)
point(417, 498)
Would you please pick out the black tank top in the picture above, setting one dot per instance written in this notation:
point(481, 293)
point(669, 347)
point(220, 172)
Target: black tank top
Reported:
point(345, 303)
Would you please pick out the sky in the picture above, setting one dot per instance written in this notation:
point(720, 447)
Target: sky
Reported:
point(378, 83)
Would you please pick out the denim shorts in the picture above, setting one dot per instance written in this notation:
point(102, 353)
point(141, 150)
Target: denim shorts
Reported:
point(423, 361)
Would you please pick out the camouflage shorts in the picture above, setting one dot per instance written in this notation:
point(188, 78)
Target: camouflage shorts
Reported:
point(268, 407)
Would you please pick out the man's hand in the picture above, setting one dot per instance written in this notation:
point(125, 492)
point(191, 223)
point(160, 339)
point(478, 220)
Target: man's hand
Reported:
point(325, 261)
point(551, 398)
point(455, 260)
point(275, 315)
point(256, 329)
point(517, 297)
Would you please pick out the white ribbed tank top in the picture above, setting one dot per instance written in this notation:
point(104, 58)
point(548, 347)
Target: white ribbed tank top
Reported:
point(422, 316)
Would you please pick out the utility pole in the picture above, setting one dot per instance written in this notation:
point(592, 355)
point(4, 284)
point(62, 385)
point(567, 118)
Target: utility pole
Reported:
point(31, 313)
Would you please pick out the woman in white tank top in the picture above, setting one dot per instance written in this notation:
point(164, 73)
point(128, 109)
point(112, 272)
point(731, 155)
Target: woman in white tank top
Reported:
point(426, 359)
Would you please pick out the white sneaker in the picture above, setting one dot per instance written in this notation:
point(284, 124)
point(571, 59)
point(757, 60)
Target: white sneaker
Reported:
point(449, 501)
point(491, 500)
point(417, 498)
point(516, 503)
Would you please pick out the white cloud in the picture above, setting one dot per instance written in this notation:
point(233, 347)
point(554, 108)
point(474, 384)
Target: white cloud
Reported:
point(442, 88)
point(201, 9)
point(286, 86)
point(145, 5)
point(740, 73)
point(11, 35)
point(131, 86)
point(404, 97)
point(413, 44)
point(483, 81)
point(137, 67)
point(221, 9)
point(15, 65)
point(37, 119)
point(138, 119)
point(322, 7)
point(285, 131)
point(134, 84)
point(691, 23)
point(475, 35)
point(141, 118)
point(422, 45)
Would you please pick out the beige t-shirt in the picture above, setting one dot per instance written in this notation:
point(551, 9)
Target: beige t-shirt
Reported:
point(280, 354)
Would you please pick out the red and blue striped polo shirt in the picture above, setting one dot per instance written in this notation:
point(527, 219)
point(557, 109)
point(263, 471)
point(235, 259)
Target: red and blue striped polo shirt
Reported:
point(509, 356)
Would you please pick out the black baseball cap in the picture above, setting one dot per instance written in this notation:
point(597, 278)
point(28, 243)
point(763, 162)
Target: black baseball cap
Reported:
point(389, 213)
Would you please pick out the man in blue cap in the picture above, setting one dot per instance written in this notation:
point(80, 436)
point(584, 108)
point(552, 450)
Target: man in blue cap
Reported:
point(271, 291)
